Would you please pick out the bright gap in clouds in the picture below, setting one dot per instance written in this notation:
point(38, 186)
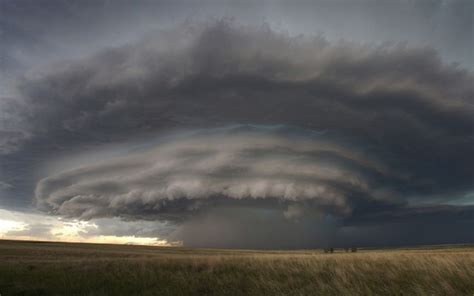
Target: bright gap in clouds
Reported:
point(23, 226)
point(9, 225)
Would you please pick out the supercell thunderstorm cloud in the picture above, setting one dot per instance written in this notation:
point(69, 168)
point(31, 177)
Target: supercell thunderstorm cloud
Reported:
point(246, 135)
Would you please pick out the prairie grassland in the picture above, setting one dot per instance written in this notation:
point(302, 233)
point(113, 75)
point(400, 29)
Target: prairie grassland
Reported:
point(33, 268)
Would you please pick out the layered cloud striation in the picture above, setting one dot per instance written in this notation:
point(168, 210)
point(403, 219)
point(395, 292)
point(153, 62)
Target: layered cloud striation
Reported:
point(361, 132)
point(189, 171)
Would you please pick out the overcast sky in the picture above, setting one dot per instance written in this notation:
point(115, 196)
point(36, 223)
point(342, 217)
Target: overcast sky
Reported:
point(253, 124)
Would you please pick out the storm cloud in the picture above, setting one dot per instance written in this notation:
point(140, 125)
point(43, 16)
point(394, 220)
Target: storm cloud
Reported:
point(236, 163)
point(241, 116)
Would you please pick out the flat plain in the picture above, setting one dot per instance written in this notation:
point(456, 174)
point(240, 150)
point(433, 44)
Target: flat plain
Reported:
point(49, 268)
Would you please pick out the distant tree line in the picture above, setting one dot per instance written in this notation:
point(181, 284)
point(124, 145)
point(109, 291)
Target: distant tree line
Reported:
point(331, 250)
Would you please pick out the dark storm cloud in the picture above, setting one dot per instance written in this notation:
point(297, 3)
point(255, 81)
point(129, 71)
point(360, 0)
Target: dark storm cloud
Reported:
point(402, 227)
point(396, 124)
point(249, 227)
point(224, 187)
point(34, 32)
point(237, 164)
point(414, 111)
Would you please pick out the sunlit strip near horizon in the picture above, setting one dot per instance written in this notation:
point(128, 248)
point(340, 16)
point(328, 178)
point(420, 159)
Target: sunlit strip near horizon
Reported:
point(22, 226)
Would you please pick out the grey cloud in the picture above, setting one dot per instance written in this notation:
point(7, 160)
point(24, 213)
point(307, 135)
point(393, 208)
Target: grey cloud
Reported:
point(5, 185)
point(430, 226)
point(403, 102)
point(241, 227)
point(223, 187)
point(137, 228)
point(39, 230)
point(253, 227)
point(186, 173)
point(37, 32)
point(398, 125)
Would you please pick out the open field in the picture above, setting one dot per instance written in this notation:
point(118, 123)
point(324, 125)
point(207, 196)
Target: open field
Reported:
point(34, 268)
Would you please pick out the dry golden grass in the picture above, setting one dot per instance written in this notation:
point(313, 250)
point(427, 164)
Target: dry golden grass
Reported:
point(28, 268)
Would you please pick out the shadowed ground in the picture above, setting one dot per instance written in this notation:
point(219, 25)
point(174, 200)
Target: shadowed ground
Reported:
point(39, 268)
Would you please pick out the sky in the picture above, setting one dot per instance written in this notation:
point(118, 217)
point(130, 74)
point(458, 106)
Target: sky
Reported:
point(237, 124)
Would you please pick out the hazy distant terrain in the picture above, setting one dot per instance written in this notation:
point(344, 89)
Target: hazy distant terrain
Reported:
point(32, 268)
